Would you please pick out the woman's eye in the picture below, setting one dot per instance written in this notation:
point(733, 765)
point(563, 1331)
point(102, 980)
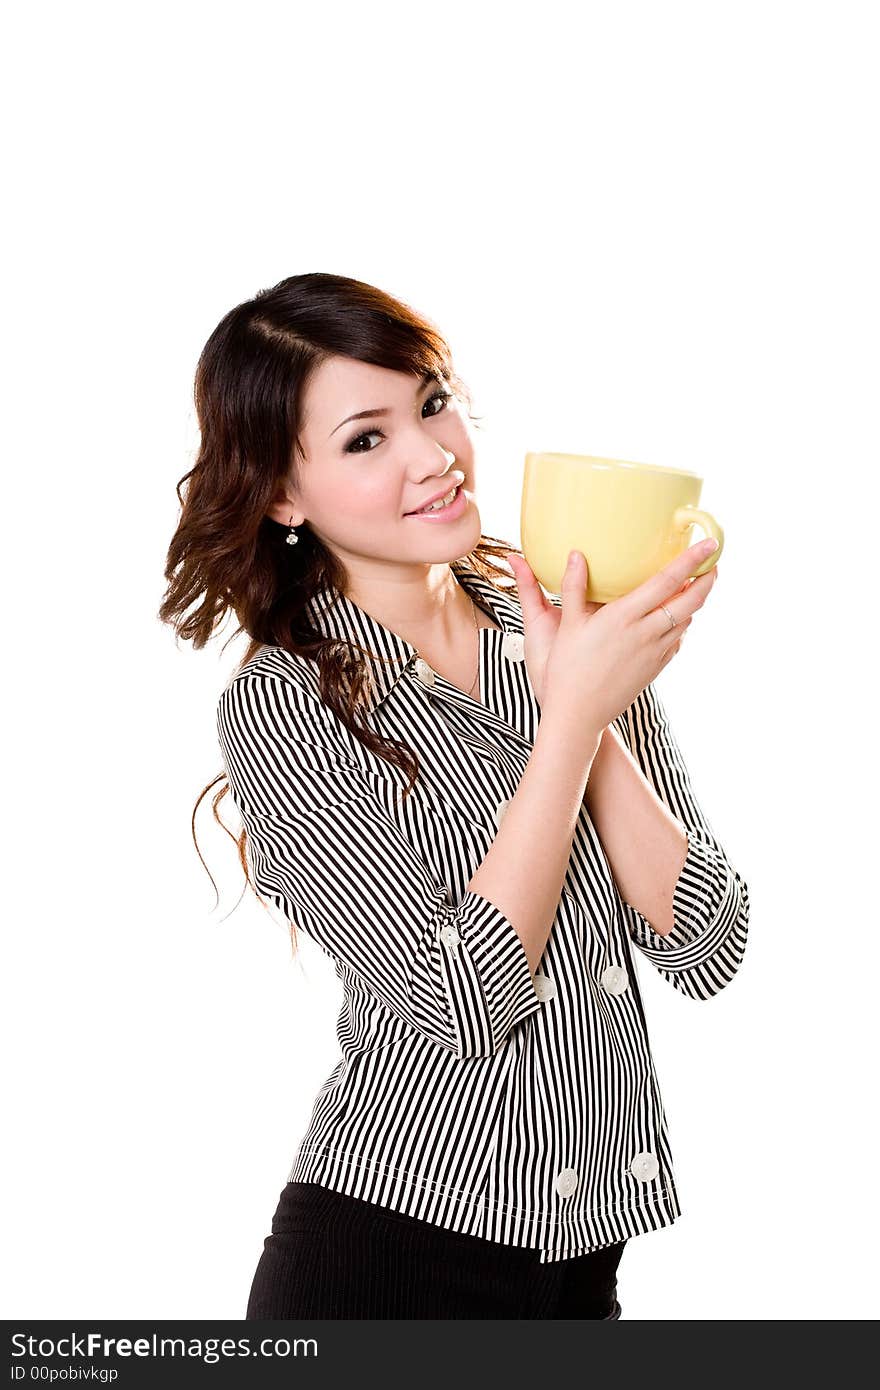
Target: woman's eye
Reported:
point(352, 448)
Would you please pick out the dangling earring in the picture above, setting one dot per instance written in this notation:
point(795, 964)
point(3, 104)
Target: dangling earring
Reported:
point(293, 538)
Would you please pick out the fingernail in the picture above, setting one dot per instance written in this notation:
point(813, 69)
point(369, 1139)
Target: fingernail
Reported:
point(571, 559)
point(711, 545)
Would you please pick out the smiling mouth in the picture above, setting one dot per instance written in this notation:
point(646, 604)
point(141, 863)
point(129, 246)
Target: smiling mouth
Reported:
point(440, 504)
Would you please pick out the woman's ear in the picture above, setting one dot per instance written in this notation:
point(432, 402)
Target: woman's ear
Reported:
point(285, 511)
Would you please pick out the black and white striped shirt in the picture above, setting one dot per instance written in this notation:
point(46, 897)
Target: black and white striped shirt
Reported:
point(470, 1093)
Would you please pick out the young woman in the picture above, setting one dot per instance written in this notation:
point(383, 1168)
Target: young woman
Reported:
point(467, 792)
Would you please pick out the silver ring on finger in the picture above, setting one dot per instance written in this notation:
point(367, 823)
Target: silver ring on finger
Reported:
point(672, 622)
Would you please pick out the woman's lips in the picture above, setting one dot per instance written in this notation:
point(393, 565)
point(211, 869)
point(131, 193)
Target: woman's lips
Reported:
point(456, 508)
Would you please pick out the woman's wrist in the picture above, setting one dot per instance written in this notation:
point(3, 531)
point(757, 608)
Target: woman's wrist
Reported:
point(568, 718)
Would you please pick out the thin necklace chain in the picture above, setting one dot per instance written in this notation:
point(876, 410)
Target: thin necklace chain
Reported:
point(477, 630)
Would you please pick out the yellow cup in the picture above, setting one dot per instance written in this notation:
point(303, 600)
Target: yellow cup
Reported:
point(629, 519)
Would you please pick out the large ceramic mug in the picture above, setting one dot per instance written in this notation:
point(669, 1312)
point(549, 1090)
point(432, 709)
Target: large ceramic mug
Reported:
point(629, 519)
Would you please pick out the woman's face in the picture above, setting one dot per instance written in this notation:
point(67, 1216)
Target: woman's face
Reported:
point(359, 478)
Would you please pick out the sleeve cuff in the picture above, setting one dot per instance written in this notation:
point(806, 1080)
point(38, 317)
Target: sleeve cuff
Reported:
point(494, 949)
point(704, 886)
point(699, 890)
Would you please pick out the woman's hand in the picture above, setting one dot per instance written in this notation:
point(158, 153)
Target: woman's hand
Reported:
point(601, 664)
point(541, 620)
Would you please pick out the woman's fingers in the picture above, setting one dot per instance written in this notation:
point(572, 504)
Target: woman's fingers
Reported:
point(669, 581)
point(531, 598)
point(574, 586)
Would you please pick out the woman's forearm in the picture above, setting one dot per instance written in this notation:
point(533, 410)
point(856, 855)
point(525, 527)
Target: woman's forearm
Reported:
point(525, 867)
point(644, 843)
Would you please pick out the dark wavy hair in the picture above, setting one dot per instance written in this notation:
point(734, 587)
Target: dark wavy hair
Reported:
point(226, 552)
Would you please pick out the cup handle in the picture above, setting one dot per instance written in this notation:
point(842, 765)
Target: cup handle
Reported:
point(683, 517)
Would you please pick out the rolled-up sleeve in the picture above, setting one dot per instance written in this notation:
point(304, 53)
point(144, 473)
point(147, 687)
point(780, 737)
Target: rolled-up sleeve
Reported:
point(705, 946)
point(327, 851)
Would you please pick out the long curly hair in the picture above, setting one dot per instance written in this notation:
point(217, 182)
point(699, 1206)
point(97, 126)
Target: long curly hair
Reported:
point(227, 553)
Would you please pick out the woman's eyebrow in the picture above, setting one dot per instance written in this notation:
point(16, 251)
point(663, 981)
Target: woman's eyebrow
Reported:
point(383, 410)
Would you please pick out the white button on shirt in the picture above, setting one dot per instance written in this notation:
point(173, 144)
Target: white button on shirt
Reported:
point(614, 979)
point(566, 1182)
point(544, 987)
point(450, 937)
point(423, 671)
point(645, 1166)
point(512, 647)
point(467, 1080)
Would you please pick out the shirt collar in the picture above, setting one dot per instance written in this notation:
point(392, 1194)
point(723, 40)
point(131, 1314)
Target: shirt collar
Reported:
point(387, 655)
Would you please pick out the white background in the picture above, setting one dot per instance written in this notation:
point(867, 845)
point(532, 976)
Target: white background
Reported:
point(648, 231)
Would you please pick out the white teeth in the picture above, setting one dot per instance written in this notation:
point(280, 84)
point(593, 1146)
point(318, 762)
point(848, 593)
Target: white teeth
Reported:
point(444, 502)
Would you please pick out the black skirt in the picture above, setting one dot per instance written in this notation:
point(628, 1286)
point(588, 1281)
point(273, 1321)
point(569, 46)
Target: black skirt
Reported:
point(335, 1256)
